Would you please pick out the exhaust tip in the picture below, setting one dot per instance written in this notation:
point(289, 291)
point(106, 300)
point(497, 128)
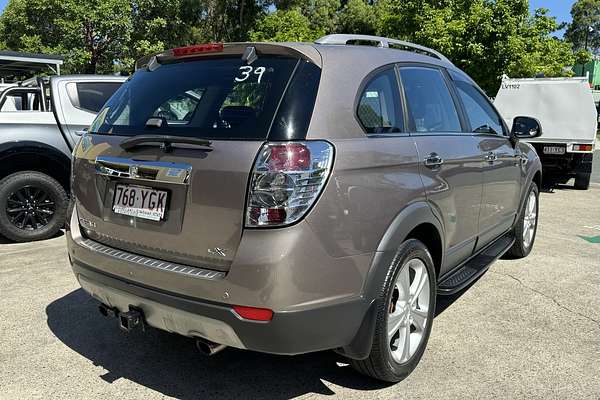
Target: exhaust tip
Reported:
point(207, 347)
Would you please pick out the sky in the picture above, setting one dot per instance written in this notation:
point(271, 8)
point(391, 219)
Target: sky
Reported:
point(561, 9)
point(558, 8)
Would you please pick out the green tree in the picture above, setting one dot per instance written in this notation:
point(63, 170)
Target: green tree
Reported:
point(285, 26)
point(322, 14)
point(486, 39)
point(358, 16)
point(89, 34)
point(108, 35)
point(586, 15)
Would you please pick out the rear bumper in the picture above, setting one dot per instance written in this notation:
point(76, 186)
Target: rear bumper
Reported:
point(568, 164)
point(293, 332)
point(317, 300)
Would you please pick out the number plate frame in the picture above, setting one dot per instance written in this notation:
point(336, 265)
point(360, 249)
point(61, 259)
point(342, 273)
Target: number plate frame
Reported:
point(555, 150)
point(137, 212)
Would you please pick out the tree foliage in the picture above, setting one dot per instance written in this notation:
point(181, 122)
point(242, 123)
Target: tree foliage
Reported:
point(586, 15)
point(107, 35)
point(487, 38)
point(285, 26)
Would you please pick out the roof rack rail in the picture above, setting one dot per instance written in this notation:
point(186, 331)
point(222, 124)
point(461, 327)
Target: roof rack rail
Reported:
point(343, 39)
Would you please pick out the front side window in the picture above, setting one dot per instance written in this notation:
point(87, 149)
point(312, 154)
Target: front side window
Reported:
point(429, 101)
point(379, 106)
point(480, 113)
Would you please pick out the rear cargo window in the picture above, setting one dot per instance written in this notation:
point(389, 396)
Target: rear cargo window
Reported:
point(220, 98)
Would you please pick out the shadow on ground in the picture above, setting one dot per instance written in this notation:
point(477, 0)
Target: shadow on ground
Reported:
point(170, 364)
point(4, 240)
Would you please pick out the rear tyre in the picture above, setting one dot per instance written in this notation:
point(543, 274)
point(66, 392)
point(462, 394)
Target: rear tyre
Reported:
point(526, 227)
point(33, 206)
point(582, 181)
point(405, 313)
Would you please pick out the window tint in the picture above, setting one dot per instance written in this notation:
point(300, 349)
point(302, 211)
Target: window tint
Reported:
point(429, 101)
point(92, 96)
point(482, 116)
point(379, 106)
point(181, 107)
point(219, 98)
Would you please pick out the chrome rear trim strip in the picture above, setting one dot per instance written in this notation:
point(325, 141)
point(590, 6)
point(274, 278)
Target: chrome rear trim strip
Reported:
point(167, 266)
point(155, 171)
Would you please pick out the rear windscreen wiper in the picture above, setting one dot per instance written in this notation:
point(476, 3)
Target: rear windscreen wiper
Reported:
point(164, 141)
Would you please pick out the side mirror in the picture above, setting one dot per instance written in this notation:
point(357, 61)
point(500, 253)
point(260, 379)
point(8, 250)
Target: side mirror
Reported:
point(526, 128)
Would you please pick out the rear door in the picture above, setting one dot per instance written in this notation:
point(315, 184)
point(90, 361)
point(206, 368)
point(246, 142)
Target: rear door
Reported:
point(502, 171)
point(451, 165)
point(188, 199)
point(79, 100)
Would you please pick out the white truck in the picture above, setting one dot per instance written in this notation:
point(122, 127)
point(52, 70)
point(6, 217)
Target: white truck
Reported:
point(566, 110)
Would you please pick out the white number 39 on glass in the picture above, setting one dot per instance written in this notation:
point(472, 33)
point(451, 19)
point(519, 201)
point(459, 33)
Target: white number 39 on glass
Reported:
point(247, 70)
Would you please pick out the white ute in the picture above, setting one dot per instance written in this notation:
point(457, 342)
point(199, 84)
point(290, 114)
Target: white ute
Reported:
point(566, 110)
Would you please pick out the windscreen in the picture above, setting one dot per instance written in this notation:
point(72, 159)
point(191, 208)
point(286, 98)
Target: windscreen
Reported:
point(221, 98)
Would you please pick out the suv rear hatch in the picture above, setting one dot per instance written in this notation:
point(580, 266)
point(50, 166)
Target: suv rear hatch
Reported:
point(165, 167)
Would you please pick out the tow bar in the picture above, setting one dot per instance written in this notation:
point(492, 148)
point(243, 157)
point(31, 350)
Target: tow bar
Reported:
point(129, 320)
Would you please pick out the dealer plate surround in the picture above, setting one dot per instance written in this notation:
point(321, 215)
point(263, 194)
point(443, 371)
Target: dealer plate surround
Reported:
point(140, 202)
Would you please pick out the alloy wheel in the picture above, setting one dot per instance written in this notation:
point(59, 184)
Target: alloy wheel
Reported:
point(30, 207)
point(529, 220)
point(408, 310)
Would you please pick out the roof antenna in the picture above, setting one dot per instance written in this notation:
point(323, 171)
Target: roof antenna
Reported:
point(249, 55)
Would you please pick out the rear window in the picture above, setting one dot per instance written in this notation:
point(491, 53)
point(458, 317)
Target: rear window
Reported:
point(91, 96)
point(221, 98)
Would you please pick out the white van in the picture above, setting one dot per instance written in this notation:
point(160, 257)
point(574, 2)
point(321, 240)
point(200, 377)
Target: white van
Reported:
point(569, 119)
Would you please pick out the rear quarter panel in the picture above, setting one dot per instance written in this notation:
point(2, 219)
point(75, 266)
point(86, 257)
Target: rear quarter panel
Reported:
point(373, 179)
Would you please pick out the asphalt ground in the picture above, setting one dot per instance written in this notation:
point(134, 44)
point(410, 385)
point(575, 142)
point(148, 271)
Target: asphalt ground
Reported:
point(527, 329)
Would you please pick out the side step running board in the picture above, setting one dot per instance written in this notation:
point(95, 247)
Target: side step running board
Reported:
point(474, 267)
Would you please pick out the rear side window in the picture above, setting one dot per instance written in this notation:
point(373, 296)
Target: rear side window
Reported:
point(429, 101)
point(91, 96)
point(379, 108)
point(480, 113)
point(219, 98)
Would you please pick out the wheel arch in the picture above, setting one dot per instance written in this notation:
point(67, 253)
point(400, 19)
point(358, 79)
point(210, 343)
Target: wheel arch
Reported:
point(35, 156)
point(415, 221)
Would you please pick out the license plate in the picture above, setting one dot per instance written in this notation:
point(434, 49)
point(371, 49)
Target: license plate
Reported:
point(140, 202)
point(554, 150)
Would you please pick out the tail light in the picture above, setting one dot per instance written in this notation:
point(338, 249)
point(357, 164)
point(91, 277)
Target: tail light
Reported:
point(286, 181)
point(582, 147)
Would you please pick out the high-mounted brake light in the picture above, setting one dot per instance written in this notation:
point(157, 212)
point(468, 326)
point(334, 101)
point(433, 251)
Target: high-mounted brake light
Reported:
point(286, 181)
point(198, 49)
point(253, 313)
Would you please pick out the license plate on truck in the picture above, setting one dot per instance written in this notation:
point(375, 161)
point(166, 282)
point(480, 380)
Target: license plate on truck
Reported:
point(554, 150)
point(140, 202)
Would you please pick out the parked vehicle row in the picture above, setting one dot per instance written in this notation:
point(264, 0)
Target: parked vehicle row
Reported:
point(41, 120)
point(289, 198)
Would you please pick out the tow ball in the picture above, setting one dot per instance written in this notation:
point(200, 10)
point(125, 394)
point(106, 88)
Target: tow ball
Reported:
point(128, 320)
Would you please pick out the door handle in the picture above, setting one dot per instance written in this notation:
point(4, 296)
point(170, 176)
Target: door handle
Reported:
point(521, 159)
point(433, 160)
point(81, 132)
point(491, 157)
